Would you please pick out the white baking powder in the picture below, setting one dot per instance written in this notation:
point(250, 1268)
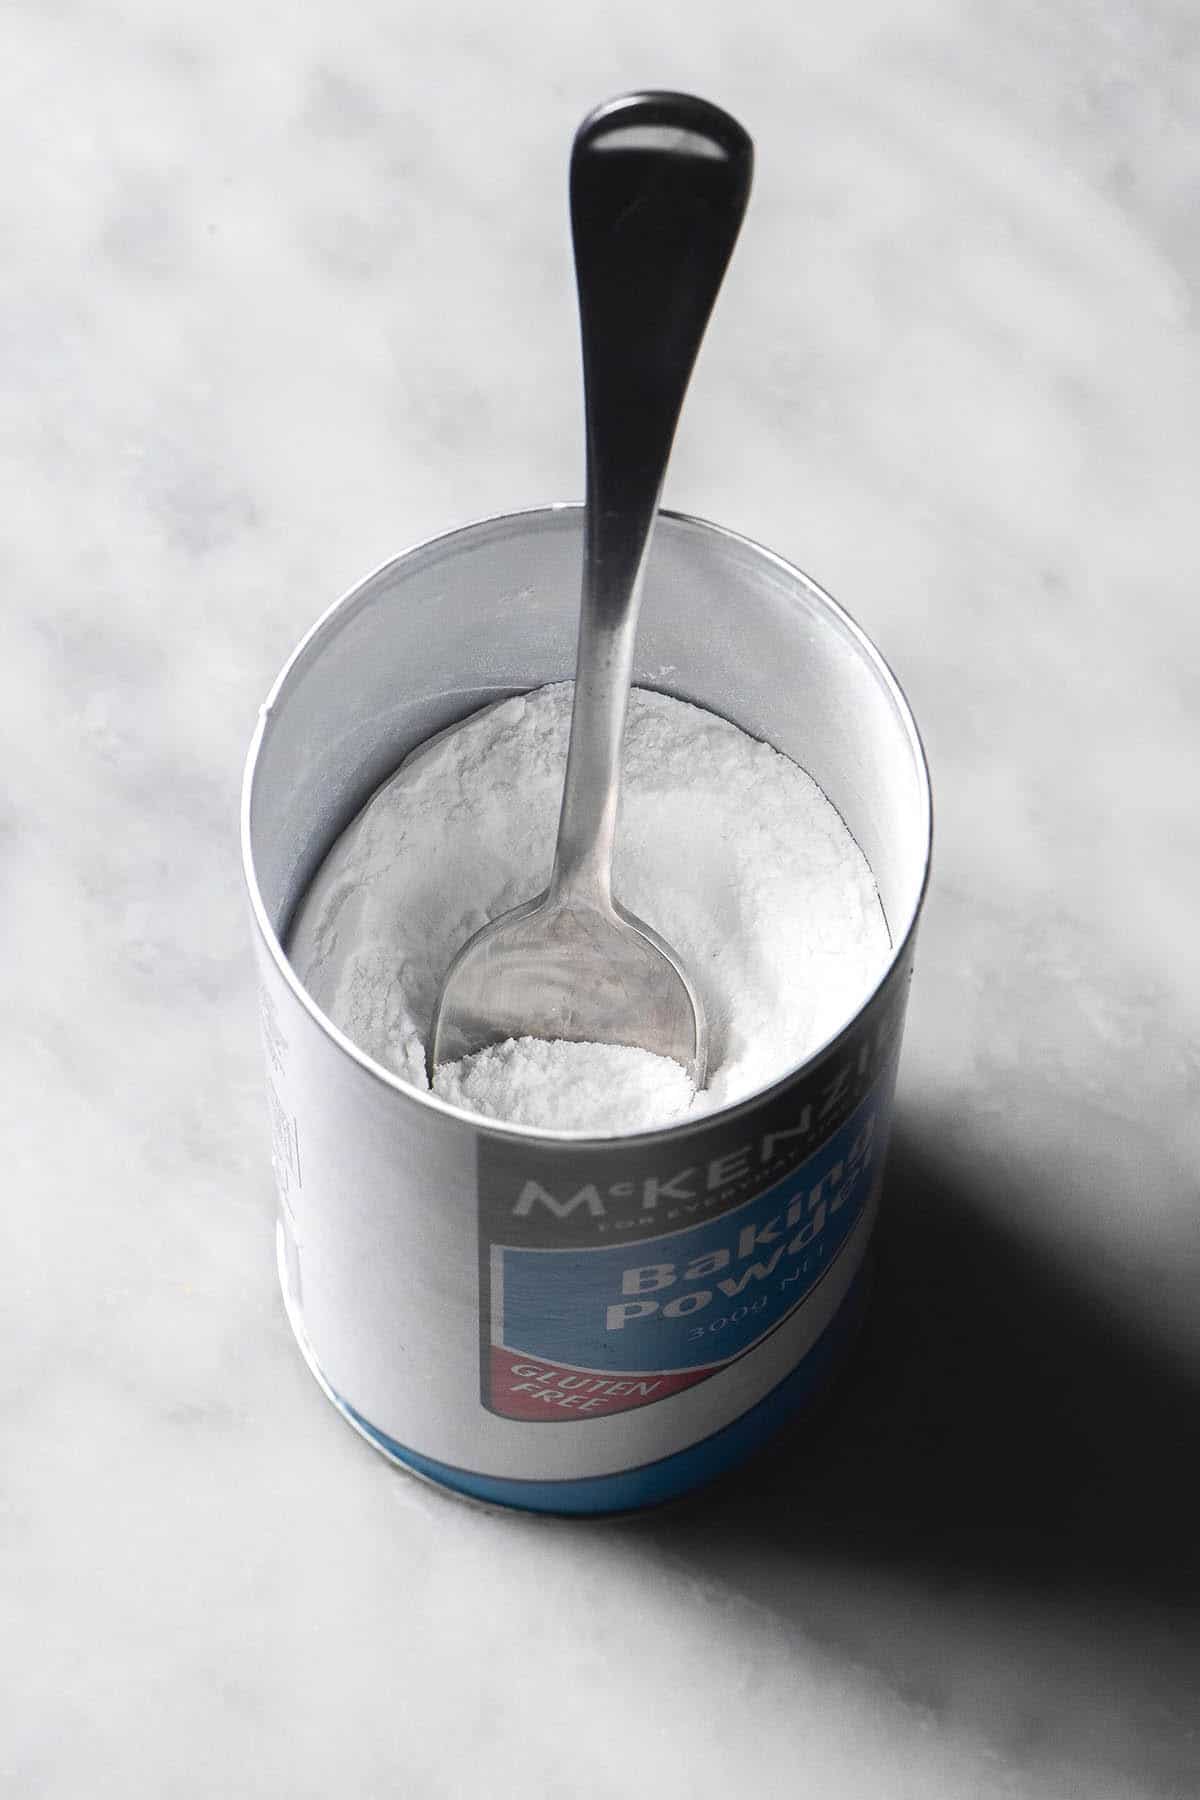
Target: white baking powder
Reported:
point(602, 1088)
point(726, 847)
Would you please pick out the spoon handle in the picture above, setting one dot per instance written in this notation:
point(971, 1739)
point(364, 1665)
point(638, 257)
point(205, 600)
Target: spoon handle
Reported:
point(659, 184)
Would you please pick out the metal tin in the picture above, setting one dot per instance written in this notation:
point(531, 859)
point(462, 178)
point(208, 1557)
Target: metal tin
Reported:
point(542, 1319)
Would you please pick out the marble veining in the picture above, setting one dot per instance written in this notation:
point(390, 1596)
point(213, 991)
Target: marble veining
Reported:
point(286, 289)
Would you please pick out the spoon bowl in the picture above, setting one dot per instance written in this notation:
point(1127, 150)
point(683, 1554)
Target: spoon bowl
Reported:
point(599, 976)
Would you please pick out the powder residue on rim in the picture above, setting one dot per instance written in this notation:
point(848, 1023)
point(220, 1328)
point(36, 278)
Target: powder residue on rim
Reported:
point(727, 848)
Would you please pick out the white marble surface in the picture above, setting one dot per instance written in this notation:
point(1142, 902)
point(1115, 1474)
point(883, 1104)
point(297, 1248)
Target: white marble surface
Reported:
point(285, 289)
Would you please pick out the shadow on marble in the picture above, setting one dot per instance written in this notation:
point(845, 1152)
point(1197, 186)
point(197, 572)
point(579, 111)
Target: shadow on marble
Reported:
point(995, 1427)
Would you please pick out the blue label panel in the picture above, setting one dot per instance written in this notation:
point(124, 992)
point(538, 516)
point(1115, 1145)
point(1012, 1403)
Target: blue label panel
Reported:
point(697, 1298)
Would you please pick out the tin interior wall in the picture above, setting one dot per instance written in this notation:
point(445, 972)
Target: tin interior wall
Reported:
point(492, 611)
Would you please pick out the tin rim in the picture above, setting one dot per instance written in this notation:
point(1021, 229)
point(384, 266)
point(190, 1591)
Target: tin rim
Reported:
point(525, 1133)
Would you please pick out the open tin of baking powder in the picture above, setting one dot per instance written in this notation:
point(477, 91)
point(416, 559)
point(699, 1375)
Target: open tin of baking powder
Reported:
point(542, 1319)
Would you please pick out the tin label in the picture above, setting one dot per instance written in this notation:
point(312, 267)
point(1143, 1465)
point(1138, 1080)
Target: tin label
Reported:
point(610, 1281)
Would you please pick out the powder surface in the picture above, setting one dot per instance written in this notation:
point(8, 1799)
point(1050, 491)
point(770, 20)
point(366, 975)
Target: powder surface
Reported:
point(726, 847)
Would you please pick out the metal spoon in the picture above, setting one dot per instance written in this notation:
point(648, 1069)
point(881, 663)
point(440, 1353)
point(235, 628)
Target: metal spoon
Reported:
point(659, 184)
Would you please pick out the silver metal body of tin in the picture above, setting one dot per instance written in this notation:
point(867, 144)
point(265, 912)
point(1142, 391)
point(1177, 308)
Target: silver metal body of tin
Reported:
point(542, 1319)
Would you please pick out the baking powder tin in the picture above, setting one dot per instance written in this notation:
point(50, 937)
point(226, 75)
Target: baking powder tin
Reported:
point(540, 1319)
